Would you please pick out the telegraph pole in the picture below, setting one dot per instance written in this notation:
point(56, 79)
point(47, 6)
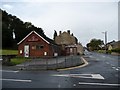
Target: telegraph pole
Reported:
point(105, 33)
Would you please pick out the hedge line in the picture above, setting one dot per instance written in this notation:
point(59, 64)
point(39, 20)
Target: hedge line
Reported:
point(116, 50)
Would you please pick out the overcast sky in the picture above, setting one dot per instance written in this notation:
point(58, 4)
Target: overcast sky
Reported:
point(86, 20)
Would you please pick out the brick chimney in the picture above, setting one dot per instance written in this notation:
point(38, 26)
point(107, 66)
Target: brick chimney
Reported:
point(68, 31)
point(60, 32)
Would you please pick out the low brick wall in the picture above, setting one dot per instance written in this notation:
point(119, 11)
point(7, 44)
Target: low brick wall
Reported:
point(52, 63)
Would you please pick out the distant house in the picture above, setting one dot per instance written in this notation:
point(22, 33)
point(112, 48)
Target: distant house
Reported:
point(75, 49)
point(69, 43)
point(113, 45)
point(71, 49)
point(34, 45)
point(65, 38)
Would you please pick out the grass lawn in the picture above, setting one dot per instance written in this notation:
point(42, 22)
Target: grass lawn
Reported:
point(18, 60)
point(8, 52)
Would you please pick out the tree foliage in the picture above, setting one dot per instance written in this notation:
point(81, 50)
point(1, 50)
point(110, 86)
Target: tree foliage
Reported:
point(95, 44)
point(11, 23)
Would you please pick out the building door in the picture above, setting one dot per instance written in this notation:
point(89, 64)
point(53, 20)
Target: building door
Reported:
point(26, 51)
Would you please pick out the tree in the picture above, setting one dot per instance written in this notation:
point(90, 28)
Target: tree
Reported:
point(94, 44)
point(55, 34)
point(21, 29)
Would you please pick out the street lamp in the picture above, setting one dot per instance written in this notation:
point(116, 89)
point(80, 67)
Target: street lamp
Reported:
point(105, 40)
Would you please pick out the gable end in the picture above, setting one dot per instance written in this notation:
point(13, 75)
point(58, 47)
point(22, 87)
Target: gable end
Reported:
point(30, 34)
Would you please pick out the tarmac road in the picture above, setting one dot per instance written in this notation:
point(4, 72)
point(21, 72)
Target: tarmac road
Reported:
point(102, 71)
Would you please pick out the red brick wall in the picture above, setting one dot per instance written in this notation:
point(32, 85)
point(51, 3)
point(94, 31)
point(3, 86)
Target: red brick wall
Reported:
point(35, 52)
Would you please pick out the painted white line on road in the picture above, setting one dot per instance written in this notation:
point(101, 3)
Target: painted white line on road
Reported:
point(89, 76)
point(17, 80)
point(92, 76)
point(74, 85)
point(116, 69)
point(113, 67)
point(103, 56)
point(102, 84)
point(97, 76)
point(8, 71)
point(1, 59)
point(59, 86)
point(107, 63)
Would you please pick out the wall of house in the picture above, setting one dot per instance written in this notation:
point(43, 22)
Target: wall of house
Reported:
point(37, 47)
point(71, 50)
point(116, 45)
point(113, 45)
point(65, 38)
point(110, 47)
point(80, 49)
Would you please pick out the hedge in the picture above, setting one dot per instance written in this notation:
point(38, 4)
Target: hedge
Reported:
point(116, 50)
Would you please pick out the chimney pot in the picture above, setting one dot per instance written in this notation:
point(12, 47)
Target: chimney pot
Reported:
point(68, 31)
point(60, 32)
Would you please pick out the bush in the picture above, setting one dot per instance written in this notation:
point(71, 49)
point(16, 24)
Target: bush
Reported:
point(117, 50)
point(109, 51)
point(101, 51)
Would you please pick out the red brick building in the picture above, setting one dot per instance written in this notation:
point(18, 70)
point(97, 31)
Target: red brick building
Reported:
point(34, 45)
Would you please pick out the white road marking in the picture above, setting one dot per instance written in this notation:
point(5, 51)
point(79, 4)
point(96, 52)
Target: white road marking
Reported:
point(90, 56)
point(1, 59)
point(116, 69)
point(104, 84)
point(74, 85)
point(8, 71)
point(59, 86)
point(113, 67)
point(17, 80)
point(97, 76)
point(107, 63)
point(90, 76)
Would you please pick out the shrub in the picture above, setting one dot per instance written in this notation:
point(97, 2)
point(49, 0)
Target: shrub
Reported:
point(116, 50)
point(109, 51)
point(101, 51)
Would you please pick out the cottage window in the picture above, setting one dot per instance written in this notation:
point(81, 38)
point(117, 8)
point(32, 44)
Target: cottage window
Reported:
point(71, 50)
point(20, 51)
point(45, 53)
point(38, 47)
point(33, 47)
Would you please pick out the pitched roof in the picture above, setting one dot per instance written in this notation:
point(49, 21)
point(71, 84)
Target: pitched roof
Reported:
point(46, 39)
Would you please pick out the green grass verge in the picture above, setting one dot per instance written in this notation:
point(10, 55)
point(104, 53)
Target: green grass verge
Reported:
point(18, 60)
point(8, 52)
point(101, 51)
